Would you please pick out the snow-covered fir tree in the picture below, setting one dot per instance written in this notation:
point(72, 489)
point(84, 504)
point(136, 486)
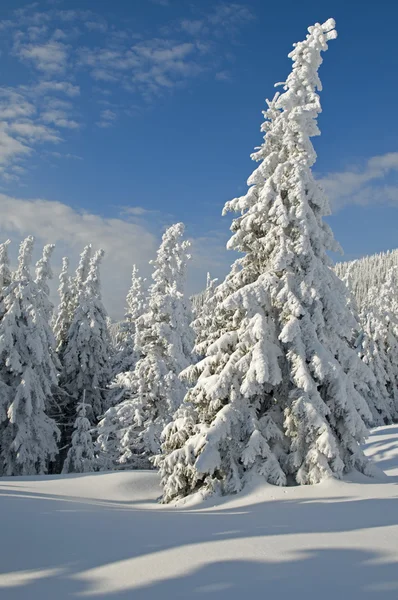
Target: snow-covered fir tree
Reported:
point(367, 272)
point(80, 457)
point(28, 436)
point(64, 315)
point(43, 275)
point(198, 301)
point(130, 432)
point(5, 272)
point(275, 394)
point(380, 346)
point(83, 268)
point(87, 352)
point(204, 307)
point(85, 361)
point(125, 355)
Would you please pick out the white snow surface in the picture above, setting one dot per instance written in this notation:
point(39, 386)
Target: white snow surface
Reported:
point(105, 536)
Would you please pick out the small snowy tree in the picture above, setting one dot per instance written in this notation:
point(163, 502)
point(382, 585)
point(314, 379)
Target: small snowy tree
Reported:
point(80, 457)
point(27, 435)
point(130, 433)
point(276, 393)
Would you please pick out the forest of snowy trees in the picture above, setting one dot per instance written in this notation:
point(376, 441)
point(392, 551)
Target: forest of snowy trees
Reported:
point(277, 371)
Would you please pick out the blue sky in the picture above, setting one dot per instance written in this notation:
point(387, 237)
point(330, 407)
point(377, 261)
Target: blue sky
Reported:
point(119, 118)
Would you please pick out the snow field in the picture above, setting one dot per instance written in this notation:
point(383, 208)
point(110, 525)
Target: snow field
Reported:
point(105, 536)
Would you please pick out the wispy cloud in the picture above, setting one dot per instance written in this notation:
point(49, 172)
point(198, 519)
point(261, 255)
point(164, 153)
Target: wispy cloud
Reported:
point(49, 58)
point(107, 117)
point(10, 148)
point(374, 182)
point(65, 87)
point(33, 132)
point(100, 26)
point(61, 47)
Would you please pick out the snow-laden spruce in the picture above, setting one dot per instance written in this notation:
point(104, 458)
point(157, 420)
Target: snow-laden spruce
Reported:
point(203, 306)
point(82, 272)
point(5, 272)
point(130, 432)
point(125, 355)
point(80, 457)
point(380, 346)
point(64, 315)
point(276, 392)
point(367, 272)
point(87, 351)
point(43, 275)
point(27, 373)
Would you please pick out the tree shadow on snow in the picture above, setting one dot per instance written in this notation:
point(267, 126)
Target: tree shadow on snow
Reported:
point(59, 538)
point(308, 575)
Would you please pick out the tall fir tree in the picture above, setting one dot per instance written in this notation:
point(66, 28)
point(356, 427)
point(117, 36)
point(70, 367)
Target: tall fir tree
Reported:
point(82, 271)
point(5, 272)
point(28, 436)
point(276, 392)
point(85, 365)
point(64, 315)
point(125, 355)
point(43, 275)
point(86, 357)
point(130, 432)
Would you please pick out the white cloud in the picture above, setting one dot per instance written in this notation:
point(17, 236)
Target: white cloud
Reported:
point(99, 26)
point(10, 148)
point(363, 185)
point(50, 57)
point(14, 105)
point(230, 16)
point(59, 118)
point(107, 118)
point(68, 155)
point(50, 41)
point(223, 76)
point(34, 132)
point(65, 87)
point(192, 26)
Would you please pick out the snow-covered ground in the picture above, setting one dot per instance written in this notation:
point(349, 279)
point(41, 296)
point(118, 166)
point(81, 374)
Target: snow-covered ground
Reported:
point(105, 536)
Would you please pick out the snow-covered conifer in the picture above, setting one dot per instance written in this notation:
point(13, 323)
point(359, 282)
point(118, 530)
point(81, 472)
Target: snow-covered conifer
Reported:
point(204, 314)
point(367, 272)
point(380, 347)
point(80, 277)
point(125, 355)
point(27, 434)
point(87, 351)
point(80, 457)
point(5, 273)
point(275, 394)
point(64, 313)
point(130, 432)
point(43, 274)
